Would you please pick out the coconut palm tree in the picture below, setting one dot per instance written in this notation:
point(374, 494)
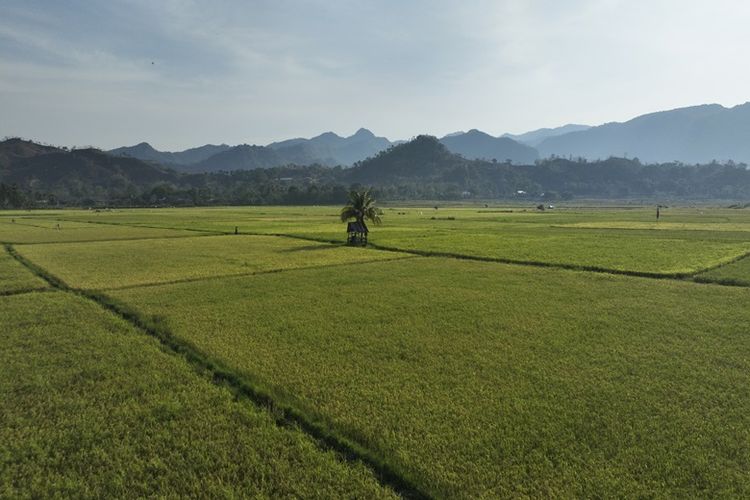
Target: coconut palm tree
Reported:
point(361, 207)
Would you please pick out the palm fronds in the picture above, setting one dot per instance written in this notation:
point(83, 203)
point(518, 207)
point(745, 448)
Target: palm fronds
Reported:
point(361, 206)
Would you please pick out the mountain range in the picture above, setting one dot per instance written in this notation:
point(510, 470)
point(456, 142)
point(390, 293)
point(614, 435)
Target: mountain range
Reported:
point(696, 134)
point(327, 149)
point(332, 149)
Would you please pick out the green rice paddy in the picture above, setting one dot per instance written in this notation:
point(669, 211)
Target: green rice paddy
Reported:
point(487, 379)
point(43, 230)
point(684, 241)
point(93, 408)
point(106, 264)
point(735, 273)
point(470, 352)
point(16, 278)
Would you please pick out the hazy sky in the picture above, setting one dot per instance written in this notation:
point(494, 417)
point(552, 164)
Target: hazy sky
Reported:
point(80, 72)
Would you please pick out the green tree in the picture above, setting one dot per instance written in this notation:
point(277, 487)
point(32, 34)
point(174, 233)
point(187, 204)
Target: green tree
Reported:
point(361, 207)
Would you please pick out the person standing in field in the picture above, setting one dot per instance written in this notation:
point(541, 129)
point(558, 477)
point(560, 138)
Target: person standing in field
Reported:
point(657, 212)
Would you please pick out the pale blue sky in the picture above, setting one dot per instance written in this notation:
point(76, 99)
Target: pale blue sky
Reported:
point(80, 72)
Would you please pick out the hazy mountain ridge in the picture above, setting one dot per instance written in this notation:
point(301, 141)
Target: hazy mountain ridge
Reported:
point(242, 157)
point(328, 149)
point(331, 149)
point(477, 145)
point(535, 137)
point(696, 134)
point(144, 151)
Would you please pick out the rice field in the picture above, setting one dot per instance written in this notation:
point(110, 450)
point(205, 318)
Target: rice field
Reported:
point(114, 264)
point(472, 351)
point(735, 273)
point(684, 241)
point(15, 278)
point(482, 379)
point(44, 230)
point(92, 408)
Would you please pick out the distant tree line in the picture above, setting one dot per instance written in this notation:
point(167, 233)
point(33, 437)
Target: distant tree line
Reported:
point(13, 197)
point(452, 179)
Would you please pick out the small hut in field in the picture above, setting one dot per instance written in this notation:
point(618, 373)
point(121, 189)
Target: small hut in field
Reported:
point(356, 233)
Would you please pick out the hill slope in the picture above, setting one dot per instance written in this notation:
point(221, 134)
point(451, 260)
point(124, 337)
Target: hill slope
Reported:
point(14, 150)
point(475, 144)
point(242, 157)
point(78, 173)
point(421, 158)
